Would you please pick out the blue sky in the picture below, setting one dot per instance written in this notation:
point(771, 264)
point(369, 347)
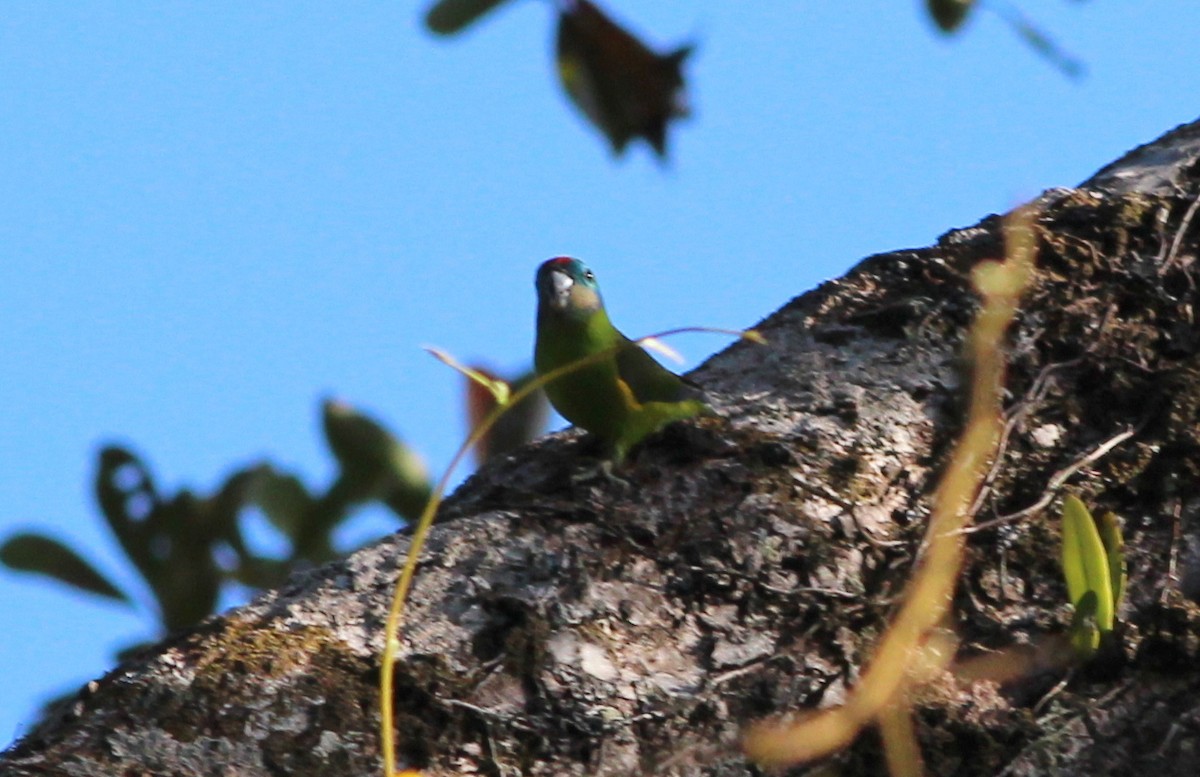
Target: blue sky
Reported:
point(211, 215)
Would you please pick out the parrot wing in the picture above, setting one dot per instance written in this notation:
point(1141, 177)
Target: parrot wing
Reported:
point(650, 381)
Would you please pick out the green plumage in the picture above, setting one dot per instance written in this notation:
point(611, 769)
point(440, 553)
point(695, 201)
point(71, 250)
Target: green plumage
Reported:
point(621, 398)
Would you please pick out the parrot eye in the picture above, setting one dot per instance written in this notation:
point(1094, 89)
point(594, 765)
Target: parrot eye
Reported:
point(589, 275)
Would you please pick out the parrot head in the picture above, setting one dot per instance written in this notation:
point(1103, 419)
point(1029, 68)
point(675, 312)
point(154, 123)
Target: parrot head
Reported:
point(567, 288)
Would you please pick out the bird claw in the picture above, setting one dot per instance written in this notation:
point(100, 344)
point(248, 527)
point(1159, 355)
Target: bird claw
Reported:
point(602, 472)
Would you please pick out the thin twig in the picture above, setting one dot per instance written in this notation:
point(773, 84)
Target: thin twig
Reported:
point(1179, 233)
point(1172, 581)
point(1037, 390)
point(739, 671)
point(1056, 482)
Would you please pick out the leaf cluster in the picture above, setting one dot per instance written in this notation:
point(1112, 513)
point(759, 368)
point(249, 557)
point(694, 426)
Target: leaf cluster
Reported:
point(187, 548)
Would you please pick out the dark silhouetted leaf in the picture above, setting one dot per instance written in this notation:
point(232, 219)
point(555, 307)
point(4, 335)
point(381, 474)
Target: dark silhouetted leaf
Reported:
point(625, 89)
point(282, 497)
point(128, 499)
point(170, 542)
point(949, 14)
point(186, 579)
point(448, 17)
point(42, 555)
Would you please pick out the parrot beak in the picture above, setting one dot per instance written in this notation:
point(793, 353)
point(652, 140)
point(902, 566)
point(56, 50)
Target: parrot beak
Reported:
point(555, 289)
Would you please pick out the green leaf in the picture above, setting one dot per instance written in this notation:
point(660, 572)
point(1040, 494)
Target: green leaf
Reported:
point(282, 497)
point(1114, 546)
point(375, 464)
point(1085, 562)
point(1085, 636)
point(41, 555)
point(362, 446)
point(448, 17)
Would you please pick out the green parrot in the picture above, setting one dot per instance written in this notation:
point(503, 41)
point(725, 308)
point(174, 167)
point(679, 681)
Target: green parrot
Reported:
point(622, 398)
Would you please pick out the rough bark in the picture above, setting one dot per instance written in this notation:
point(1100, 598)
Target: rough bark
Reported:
point(750, 561)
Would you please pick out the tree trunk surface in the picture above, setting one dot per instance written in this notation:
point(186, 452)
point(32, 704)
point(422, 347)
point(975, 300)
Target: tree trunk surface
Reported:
point(748, 563)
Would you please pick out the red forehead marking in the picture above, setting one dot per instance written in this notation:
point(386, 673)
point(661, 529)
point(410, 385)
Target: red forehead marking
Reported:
point(561, 260)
